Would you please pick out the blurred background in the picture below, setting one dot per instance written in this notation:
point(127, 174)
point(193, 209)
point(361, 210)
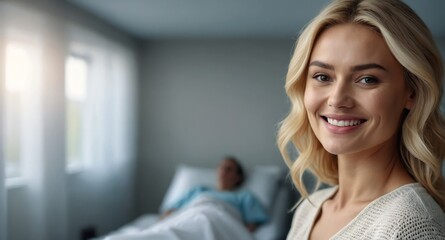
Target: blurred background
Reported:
point(101, 100)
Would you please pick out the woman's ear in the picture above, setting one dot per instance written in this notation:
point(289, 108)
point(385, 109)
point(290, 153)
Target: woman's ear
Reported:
point(411, 101)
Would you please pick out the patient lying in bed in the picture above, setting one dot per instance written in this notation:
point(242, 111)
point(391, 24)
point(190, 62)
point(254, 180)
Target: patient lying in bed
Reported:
point(207, 213)
point(230, 177)
point(211, 219)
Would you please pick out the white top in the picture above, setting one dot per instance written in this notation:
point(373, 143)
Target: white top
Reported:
point(407, 212)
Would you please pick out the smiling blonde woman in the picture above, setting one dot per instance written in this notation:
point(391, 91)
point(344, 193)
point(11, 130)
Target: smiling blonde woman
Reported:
point(365, 82)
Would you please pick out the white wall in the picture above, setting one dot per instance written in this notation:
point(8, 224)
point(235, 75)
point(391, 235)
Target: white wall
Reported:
point(203, 99)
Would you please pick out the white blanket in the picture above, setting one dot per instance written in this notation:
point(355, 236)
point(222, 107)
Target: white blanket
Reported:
point(205, 218)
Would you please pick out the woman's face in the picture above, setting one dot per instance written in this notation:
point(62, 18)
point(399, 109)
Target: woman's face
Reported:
point(355, 90)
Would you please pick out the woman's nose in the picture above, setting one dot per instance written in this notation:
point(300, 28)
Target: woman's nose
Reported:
point(340, 95)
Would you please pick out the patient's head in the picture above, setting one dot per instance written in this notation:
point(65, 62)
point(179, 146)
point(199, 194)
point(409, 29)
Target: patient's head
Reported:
point(230, 174)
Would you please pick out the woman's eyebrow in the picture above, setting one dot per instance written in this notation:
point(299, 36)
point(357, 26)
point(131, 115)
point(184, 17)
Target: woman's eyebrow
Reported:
point(367, 66)
point(353, 69)
point(322, 65)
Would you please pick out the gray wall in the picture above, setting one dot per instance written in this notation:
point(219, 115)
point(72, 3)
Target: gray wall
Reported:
point(203, 99)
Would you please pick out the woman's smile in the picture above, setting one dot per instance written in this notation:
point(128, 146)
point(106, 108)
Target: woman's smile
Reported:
point(343, 122)
point(342, 125)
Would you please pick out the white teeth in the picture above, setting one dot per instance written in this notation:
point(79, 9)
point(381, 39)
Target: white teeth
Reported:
point(343, 123)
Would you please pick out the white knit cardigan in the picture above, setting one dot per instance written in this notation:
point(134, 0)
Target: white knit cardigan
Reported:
point(407, 212)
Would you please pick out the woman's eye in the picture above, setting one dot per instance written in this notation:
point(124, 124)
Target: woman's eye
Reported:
point(321, 77)
point(368, 80)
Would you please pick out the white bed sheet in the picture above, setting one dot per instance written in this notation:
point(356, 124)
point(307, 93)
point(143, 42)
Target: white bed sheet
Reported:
point(275, 229)
point(205, 218)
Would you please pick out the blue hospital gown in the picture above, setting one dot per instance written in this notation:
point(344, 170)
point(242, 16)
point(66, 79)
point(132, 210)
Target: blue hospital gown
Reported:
point(244, 201)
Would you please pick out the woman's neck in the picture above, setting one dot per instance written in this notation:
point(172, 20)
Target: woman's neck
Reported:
point(366, 176)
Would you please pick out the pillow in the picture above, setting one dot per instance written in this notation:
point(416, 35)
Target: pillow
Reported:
point(262, 181)
point(186, 177)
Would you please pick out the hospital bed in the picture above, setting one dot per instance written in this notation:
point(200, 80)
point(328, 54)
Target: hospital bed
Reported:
point(268, 183)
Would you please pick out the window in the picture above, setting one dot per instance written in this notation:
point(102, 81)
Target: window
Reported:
point(76, 75)
point(20, 70)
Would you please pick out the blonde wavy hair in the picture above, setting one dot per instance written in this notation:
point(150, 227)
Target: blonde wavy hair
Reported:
point(422, 134)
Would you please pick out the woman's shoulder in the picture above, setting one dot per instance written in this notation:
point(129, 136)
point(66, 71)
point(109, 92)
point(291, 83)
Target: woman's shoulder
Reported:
point(406, 212)
point(413, 200)
point(416, 204)
point(306, 212)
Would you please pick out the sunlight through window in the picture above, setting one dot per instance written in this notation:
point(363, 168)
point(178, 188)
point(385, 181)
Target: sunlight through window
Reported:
point(18, 68)
point(76, 74)
point(76, 78)
point(18, 72)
